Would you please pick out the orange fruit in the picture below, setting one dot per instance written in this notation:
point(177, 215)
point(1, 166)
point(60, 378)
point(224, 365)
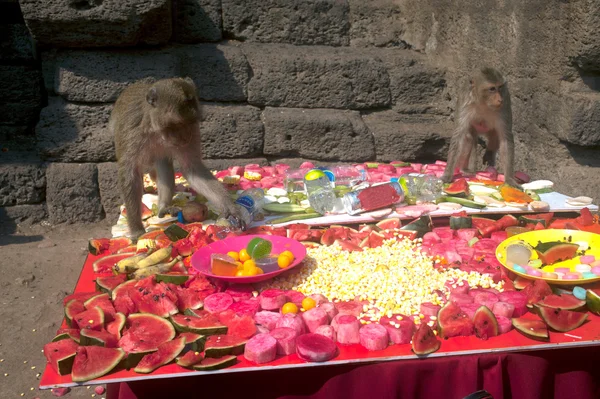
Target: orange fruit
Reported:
point(308, 303)
point(283, 261)
point(249, 264)
point(234, 255)
point(289, 254)
point(289, 307)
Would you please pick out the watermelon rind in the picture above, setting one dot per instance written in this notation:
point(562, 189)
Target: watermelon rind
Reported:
point(221, 345)
point(461, 222)
point(109, 283)
point(106, 263)
point(190, 359)
point(180, 326)
point(555, 251)
point(175, 233)
point(61, 363)
point(424, 341)
point(97, 338)
point(390, 223)
point(485, 323)
point(421, 225)
point(593, 301)
point(564, 301)
point(561, 320)
point(105, 360)
point(73, 334)
point(165, 354)
point(531, 328)
point(175, 278)
point(72, 308)
point(209, 364)
point(193, 342)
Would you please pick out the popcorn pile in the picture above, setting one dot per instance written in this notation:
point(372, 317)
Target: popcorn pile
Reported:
point(393, 278)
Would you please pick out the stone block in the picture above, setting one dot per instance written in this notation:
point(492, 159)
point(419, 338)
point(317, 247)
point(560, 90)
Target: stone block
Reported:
point(15, 44)
point(398, 137)
point(70, 132)
point(23, 214)
point(221, 71)
point(324, 22)
point(376, 23)
point(296, 162)
point(231, 131)
point(20, 94)
point(110, 194)
point(22, 179)
point(197, 21)
point(100, 76)
point(98, 23)
point(316, 77)
point(322, 134)
point(220, 164)
point(580, 119)
point(72, 195)
point(17, 138)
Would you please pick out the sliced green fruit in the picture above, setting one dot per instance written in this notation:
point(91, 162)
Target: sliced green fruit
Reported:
point(221, 345)
point(463, 201)
point(175, 233)
point(534, 329)
point(215, 364)
point(258, 248)
point(593, 301)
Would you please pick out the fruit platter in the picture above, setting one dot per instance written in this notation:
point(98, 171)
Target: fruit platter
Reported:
point(392, 290)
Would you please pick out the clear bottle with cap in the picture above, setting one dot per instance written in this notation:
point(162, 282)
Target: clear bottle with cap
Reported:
point(419, 187)
point(347, 175)
point(372, 198)
point(250, 204)
point(319, 190)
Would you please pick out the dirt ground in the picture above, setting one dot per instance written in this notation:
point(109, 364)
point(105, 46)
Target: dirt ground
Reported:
point(39, 265)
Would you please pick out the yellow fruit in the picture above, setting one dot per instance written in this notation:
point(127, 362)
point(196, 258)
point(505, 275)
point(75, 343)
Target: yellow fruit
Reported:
point(259, 270)
point(243, 256)
point(289, 254)
point(234, 255)
point(249, 264)
point(239, 273)
point(253, 271)
point(289, 307)
point(283, 261)
point(240, 265)
point(308, 303)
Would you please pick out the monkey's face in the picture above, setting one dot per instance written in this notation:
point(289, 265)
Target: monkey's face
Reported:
point(492, 94)
point(174, 106)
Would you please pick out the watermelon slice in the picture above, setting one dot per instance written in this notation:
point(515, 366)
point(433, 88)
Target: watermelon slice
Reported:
point(145, 333)
point(98, 246)
point(564, 301)
point(221, 345)
point(98, 338)
point(485, 323)
point(60, 355)
point(193, 342)
point(552, 252)
point(109, 283)
point(562, 320)
point(67, 333)
point(537, 291)
point(424, 341)
point(91, 318)
point(484, 225)
point(106, 263)
point(80, 296)
point(459, 188)
point(166, 353)
point(103, 302)
point(453, 322)
point(94, 361)
point(190, 359)
point(543, 218)
point(390, 223)
point(202, 322)
point(73, 308)
point(209, 364)
point(116, 326)
point(532, 328)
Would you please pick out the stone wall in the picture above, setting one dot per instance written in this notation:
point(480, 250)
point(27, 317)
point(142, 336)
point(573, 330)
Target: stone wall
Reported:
point(326, 80)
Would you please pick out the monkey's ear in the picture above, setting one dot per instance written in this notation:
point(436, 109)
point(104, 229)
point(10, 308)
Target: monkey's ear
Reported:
point(189, 80)
point(152, 96)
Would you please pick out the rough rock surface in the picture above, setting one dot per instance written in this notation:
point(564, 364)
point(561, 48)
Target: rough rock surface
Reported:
point(72, 193)
point(98, 23)
point(70, 132)
point(398, 137)
point(197, 21)
point(110, 194)
point(220, 164)
point(377, 23)
point(22, 179)
point(15, 43)
point(220, 71)
point(231, 131)
point(20, 94)
point(315, 77)
point(100, 76)
point(288, 21)
point(317, 134)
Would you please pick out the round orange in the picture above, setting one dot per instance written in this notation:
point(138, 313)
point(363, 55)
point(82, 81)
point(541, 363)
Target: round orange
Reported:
point(308, 303)
point(289, 307)
point(283, 261)
point(244, 256)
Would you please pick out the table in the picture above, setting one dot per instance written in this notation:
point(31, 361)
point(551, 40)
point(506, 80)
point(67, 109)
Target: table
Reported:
point(567, 373)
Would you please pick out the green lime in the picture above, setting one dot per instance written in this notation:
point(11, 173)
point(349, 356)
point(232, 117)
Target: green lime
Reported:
point(259, 248)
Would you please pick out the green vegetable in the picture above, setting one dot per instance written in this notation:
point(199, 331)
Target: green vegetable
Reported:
point(294, 216)
point(276, 207)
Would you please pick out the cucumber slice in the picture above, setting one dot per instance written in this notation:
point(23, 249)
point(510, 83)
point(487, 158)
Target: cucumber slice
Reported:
point(277, 207)
point(463, 201)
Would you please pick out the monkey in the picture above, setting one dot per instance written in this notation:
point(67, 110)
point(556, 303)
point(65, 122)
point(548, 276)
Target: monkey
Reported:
point(483, 110)
point(155, 123)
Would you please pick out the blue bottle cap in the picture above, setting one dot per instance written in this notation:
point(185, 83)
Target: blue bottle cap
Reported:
point(394, 179)
point(180, 217)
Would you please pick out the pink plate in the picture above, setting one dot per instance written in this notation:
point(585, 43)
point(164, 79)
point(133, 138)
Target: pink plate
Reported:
point(201, 258)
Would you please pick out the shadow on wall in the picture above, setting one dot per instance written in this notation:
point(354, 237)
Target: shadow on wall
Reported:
point(8, 228)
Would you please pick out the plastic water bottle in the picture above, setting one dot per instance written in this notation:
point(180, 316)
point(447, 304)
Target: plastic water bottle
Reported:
point(250, 203)
point(347, 175)
point(419, 188)
point(320, 191)
point(294, 180)
point(372, 198)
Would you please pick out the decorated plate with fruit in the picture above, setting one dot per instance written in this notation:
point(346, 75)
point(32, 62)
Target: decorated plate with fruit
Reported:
point(564, 257)
point(248, 259)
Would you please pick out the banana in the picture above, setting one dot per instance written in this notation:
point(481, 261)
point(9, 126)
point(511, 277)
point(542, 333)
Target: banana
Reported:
point(128, 265)
point(156, 257)
point(287, 207)
point(147, 244)
point(155, 269)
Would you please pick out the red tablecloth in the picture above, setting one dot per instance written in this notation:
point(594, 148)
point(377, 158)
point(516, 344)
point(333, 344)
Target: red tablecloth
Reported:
point(561, 373)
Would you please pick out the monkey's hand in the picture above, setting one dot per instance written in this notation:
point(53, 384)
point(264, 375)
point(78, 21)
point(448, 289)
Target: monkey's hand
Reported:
point(171, 210)
point(446, 178)
point(229, 210)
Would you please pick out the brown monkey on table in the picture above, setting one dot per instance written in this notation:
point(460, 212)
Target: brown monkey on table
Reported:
point(153, 124)
point(483, 110)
